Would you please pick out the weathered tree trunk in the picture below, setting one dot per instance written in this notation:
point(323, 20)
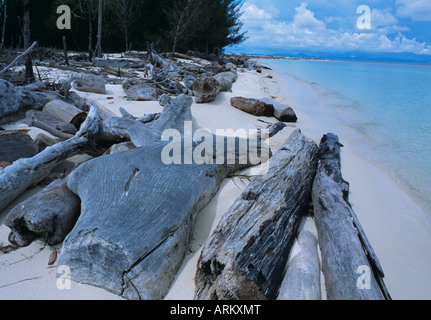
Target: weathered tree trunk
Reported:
point(138, 212)
point(65, 112)
point(51, 214)
point(4, 25)
point(302, 279)
point(66, 58)
point(27, 42)
point(25, 173)
point(51, 121)
point(90, 30)
point(350, 266)
point(49, 124)
point(246, 256)
point(98, 49)
point(150, 51)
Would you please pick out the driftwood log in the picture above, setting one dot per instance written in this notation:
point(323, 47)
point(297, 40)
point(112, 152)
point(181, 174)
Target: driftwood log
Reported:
point(252, 106)
point(137, 212)
point(206, 87)
point(25, 173)
point(246, 256)
point(349, 263)
point(51, 121)
point(50, 214)
point(302, 279)
point(65, 112)
point(88, 83)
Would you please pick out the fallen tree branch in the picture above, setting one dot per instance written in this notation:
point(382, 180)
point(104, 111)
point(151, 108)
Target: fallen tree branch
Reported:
point(17, 59)
point(25, 173)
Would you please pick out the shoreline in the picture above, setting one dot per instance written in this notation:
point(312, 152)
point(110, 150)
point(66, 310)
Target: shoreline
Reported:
point(389, 231)
point(358, 139)
point(394, 222)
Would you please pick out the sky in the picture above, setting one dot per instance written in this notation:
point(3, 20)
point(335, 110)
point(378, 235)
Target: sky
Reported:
point(341, 28)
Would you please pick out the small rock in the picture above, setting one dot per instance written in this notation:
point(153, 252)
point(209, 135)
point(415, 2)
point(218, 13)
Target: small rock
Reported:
point(286, 115)
point(282, 112)
point(253, 106)
point(14, 146)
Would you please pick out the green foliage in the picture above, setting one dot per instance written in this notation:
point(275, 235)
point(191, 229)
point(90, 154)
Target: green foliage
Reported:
point(201, 25)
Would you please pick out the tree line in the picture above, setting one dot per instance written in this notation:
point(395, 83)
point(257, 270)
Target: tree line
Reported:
point(99, 26)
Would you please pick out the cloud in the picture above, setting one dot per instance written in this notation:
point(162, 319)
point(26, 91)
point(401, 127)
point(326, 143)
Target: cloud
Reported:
point(304, 19)
point(307, 32)
point(416, 10)
point(253, 13)
point(384, 22)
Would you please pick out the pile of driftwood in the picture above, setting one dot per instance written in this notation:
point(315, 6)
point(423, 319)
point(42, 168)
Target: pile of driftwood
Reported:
point(126, 218)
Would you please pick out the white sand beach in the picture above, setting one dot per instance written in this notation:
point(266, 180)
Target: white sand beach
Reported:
point(394, 224)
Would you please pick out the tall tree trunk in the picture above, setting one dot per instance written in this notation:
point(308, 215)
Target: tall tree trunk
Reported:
point(27, 41)
point(66, 58)
point(126, 36)
point(98, 49)
point(4, 25)
point(90, 31)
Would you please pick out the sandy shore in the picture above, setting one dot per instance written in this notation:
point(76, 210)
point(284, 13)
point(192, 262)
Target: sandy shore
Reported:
point(393, 223)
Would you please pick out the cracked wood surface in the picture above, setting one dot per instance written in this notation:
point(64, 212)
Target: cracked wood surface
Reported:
point(245, 257)
point(343, 243)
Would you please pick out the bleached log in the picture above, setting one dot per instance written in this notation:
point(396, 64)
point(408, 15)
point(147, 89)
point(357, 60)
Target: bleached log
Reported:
point(51, 121)
point(25, 173)
point(351, 268)
point(302, 278)
point(50, 214)
point(33, 121)
point(88, 83)
point(65, 112)
point(246, 256)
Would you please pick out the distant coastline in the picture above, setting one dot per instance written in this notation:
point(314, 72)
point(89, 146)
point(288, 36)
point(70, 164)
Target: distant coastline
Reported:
point(358, 57)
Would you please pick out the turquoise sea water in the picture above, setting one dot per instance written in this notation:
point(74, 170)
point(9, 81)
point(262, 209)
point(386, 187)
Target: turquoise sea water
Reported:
point(389, 104)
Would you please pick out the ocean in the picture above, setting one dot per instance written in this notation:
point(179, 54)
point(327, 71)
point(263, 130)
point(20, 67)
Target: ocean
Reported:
point(387, 104)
